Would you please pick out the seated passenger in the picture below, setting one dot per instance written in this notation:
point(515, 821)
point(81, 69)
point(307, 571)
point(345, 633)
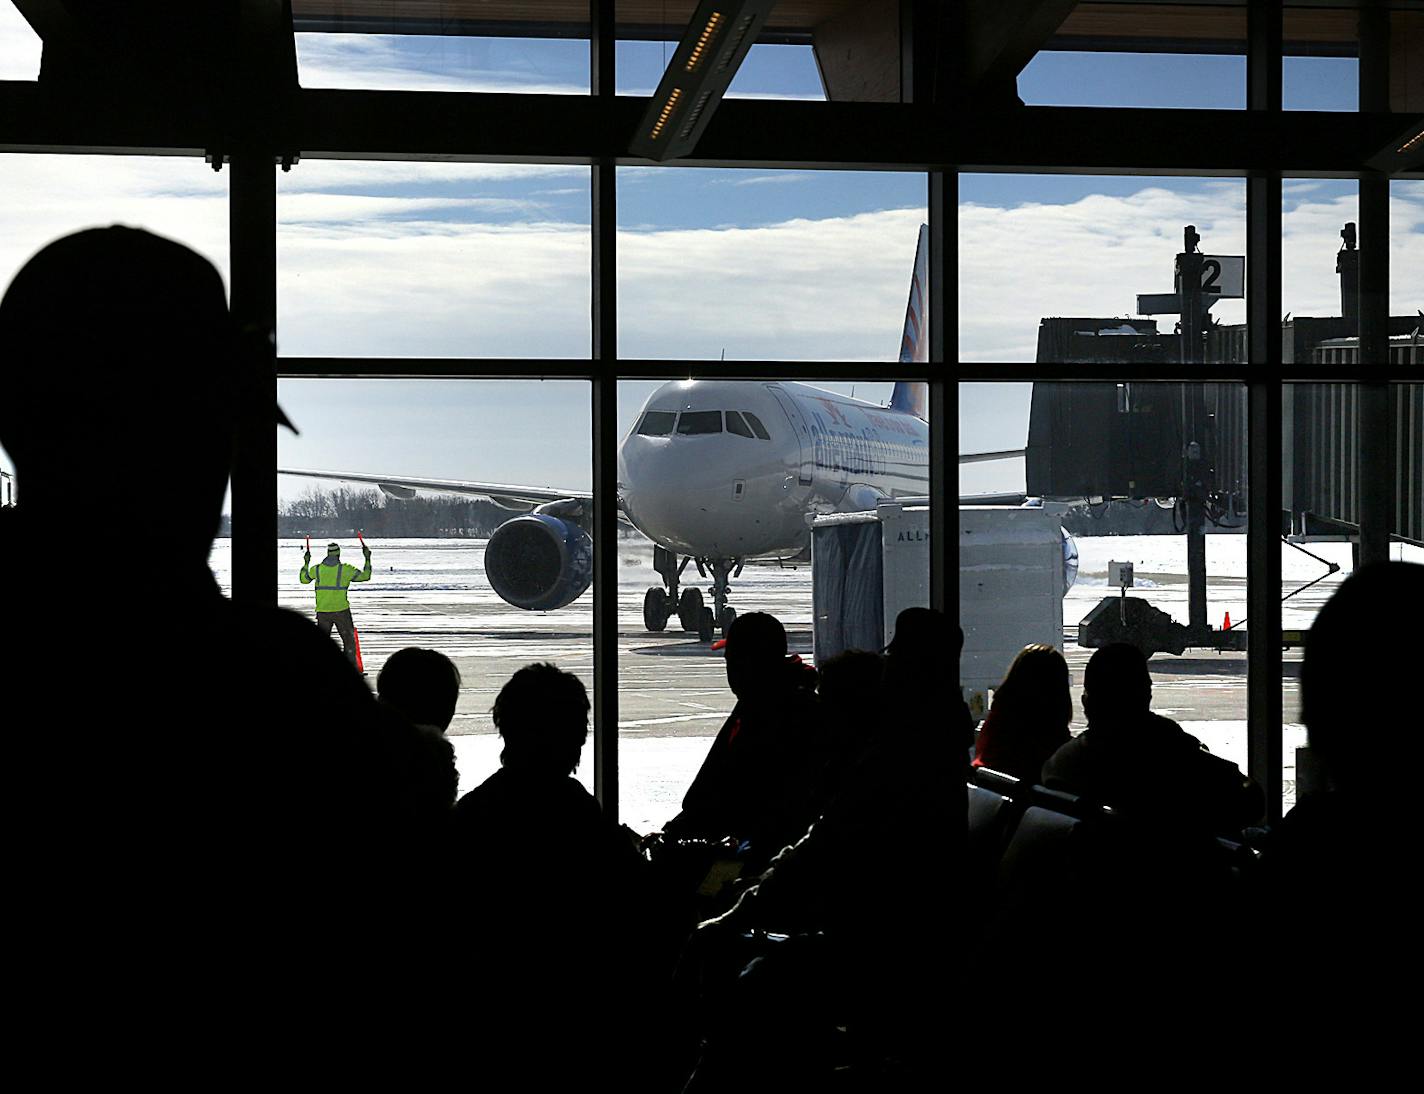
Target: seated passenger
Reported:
point(758, 780)
point(1143, 764)
point(852, 710)
point(1337, 872)
point(920, 663)
point(1029, 718)
point(552, 898)
point(424, 685)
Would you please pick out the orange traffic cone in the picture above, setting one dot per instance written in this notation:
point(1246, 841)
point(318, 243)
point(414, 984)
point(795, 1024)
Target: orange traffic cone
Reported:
point(360, 665)
point(1225, 625)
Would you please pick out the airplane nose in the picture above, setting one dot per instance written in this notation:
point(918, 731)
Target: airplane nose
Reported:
point(676, 494)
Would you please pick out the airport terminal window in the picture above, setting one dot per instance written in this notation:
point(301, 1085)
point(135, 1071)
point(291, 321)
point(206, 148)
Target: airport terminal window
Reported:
point(700, 525)
point(442, 576)
point(1056, 268)
point(1320, 254)
point(1142, 55)
point(20, 46)
point(538, 49)
point(378, 259)
point(848, 51)
point(175, 196)
point(765, 265)
point(1107, 485)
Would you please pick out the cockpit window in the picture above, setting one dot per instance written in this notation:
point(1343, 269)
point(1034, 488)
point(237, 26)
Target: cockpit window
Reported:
point(700, 421)
point(755, 423)
point(737, 426)
point(656, 423)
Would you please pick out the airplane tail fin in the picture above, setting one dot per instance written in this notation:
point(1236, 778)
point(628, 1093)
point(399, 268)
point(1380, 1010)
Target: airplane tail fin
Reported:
point(913, 398)
point(915, 341)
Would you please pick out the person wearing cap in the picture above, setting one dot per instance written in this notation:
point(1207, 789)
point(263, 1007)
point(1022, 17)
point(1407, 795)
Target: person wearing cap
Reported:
point(333, 577)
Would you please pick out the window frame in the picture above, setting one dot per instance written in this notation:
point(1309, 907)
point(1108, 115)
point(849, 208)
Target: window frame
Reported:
point(935, 130)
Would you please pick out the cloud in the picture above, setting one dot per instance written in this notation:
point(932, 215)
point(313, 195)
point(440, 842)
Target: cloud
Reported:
point(20, 46)
point(762, 180)
point(53, 195)
point(382, 62)
point(1091, 257)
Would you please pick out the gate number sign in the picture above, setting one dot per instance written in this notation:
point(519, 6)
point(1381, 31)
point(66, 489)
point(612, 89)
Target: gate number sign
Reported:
point(1224, 276)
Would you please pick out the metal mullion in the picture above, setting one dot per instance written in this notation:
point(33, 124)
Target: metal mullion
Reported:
point(435, 368)
point(1166, 372)
point(252, 228)
point(603, 394)
point(943, 187)
point(1264, 437)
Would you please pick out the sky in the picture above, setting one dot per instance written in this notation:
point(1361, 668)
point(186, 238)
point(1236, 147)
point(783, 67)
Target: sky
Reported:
point(479, 260)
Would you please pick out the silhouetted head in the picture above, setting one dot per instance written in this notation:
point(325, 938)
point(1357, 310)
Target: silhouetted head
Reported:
point(756, 653)
point(923, 644)
point(424, 685)
point(1036, 687)
point(1116, 685)
point(1358, 691)
point(126, 376)
point(542, 715)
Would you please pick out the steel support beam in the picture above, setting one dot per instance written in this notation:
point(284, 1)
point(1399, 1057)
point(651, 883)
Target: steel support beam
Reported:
point(1376, 466)
point(252, 218)
point(944, 396)
point(604, 406)
point(411, 125)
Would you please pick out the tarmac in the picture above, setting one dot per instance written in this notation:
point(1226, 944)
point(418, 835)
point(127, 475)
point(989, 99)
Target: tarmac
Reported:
point(673, 695)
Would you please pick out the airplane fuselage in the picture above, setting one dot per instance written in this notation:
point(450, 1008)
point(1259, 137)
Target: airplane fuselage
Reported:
point(732, 469)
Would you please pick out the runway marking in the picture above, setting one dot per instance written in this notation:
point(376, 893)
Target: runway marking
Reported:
point(675, 718)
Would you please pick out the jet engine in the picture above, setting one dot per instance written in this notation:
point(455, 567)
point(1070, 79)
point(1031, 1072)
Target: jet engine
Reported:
point(1070, 560)
point(539, 562)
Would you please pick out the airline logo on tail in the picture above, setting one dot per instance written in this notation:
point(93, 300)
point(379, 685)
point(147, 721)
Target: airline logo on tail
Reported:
point(915, 341)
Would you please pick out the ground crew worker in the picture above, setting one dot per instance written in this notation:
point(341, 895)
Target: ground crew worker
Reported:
point(333, 577)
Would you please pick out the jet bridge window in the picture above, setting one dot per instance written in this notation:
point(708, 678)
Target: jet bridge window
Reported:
point(757, 427)
point(737, 426)
point(700, 421)
point(656, 423)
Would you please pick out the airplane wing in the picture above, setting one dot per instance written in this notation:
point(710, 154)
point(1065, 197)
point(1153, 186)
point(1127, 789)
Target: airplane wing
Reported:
point(520, 499)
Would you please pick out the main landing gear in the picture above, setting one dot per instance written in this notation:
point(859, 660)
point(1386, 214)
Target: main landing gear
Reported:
point(660, 604)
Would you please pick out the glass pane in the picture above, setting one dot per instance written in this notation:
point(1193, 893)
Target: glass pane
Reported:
point(1320, 276)
point(1321, 483)
point(441, 571)
point(1096, 481)
point(714, 508)
point(20, 46)
point(433, 260)
point(1142, 55)
point(453, 46)
point(1060, 268)
point(765, 265)
point(1325, 44)
point(52, 196)
point(842, 52)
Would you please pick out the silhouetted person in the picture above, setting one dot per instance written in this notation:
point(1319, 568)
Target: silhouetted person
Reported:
point(422, 684)
point(178, 825)
point(758, 780)
point(851, 709)
point(554, 904)
point(1143, 764)
point(872, 874)
point(1337, 875)
point(1029, 718)
point(922, 675)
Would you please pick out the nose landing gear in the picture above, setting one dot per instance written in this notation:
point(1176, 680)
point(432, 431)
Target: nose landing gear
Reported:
point(659, 605)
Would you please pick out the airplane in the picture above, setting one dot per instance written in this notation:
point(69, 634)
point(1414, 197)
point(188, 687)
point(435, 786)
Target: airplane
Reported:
point(716, 473)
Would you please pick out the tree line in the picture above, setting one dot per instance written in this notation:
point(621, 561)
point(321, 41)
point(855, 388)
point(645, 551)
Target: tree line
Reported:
point(343, 511)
